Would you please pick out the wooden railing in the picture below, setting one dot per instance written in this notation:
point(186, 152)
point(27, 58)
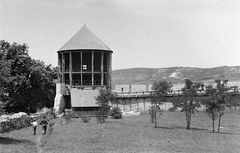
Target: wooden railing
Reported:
point(174, 93)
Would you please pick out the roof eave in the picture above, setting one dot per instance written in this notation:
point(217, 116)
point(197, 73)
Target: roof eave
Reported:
point(100, 50)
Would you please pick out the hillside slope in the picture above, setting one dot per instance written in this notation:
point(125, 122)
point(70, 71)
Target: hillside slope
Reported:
point(175, 74)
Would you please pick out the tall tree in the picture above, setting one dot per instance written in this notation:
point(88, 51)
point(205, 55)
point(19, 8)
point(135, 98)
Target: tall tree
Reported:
point(159, 96)
point(189, 101)
point(27, 83)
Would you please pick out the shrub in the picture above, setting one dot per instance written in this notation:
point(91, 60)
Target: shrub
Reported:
point(50, 127)
point(85, 118)
point(144, 112)
point(102, 114)
point(116, 113)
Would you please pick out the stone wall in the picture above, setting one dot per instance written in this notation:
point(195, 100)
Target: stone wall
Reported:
point(21, 120)
point(139, 105)
point(133, 88)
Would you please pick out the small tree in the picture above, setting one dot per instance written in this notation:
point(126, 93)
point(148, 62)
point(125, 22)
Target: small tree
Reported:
point(155, 113)
point(217, 100)
point(222, 99)
point(211, 104)
point(159, 96)
point(103, 99)
point(188, 102)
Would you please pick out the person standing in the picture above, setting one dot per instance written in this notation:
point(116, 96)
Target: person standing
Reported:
point(34, 124)
point(44, 124)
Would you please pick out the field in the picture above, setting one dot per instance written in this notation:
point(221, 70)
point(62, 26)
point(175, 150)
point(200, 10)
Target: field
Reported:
point(130, 135)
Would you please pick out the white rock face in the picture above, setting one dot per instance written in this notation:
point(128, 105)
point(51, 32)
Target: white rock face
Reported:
point(175, 75)
point(59, 103)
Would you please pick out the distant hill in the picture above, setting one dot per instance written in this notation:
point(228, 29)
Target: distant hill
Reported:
point(175, 75)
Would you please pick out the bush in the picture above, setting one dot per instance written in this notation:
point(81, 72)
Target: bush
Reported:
point(85, 118)
point(144, 112)
point(102, 114)
point(50, 127)
point(116, 113)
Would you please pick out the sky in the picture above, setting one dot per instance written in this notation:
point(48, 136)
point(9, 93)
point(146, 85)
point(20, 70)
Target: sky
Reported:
point(141, 33)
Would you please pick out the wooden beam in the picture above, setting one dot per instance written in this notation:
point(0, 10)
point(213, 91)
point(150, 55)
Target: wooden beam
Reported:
point(81, 69)
point(70, 68)
point(59, 67)
point(63, 67)
point(110, 70)
point(102, 68)
point(92, 68)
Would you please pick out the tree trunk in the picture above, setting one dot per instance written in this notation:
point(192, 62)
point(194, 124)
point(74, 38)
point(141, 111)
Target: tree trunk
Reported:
point(186, 114)
point(219, 123)
point(137, 105)
point(155, 117)
point(130, 105)
point(213, 121)
point(189, 115)
point(188, 125)
point(152, 116)
point(188, 119)
point(143, 104)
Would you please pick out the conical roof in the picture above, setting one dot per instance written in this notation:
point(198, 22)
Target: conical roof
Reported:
point(85, 39)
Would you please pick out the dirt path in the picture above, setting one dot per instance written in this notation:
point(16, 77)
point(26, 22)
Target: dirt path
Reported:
point(40, 142)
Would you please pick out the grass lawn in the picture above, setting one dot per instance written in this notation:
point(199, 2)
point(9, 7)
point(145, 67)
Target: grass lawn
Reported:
point(130, 135)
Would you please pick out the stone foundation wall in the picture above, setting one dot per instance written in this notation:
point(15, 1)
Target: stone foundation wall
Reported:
point(59, 103)
point(140, 107)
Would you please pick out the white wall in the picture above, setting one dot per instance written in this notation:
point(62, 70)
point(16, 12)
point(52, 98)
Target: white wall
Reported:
point(84, 98)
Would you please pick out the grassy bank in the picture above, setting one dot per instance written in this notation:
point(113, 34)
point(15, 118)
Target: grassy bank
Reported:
point(130, 135)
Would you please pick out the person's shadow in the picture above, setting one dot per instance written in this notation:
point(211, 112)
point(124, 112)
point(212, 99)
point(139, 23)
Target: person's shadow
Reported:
point(8, 141)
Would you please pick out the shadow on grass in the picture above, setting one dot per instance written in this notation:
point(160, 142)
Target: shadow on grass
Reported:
point(113, 121)
point(179, 127)
point(192, 128)
point(200, 129)
point(8, 141)
point(163, 127)
point(231, 133)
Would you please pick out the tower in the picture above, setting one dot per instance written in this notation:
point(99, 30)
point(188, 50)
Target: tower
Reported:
point(84, 67)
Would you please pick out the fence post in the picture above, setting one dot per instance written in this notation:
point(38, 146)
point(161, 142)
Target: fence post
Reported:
point(144, 103)
point(129, 100)
point(137, 104)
